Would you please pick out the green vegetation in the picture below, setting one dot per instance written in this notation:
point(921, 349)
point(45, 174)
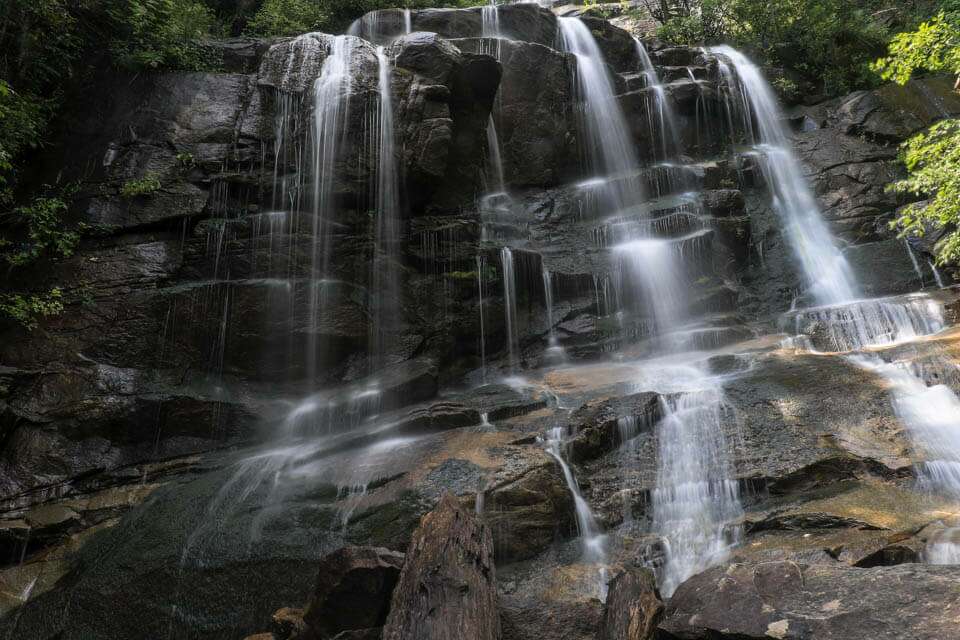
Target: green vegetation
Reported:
point(146, 185)
point(827, 45)
point(43, 232)
point(287, 17)
point(29, 309)
point(932, 158)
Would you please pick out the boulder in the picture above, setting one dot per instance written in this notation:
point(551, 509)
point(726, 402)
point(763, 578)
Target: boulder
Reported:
point(633, 608)
point(447, 589)
point(792, 600)
point(353, 591)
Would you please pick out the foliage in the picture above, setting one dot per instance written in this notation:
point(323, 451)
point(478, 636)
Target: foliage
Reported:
point(44, 233)
point(159, 34)
point(28, 309)
point(146, 185)
point(22, 119)
point(933, 46)
point(828, 44)
point(932, 158)
point(287, 18)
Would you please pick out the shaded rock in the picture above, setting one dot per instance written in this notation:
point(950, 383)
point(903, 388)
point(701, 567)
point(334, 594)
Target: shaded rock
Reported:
point(447, 588)
point(353, 590)
point(792, 600)
point(604, 426)
point(633, 608)
point(439, 417)
point(529, 512)
point(287, 623)
point(533, 117)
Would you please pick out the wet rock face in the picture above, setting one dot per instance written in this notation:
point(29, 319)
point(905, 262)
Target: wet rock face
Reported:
point(447, 588)
point(354, 587)
point(792, 600)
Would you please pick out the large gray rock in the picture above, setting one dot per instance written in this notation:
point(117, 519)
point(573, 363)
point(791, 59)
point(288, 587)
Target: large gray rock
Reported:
point(789, 600)
point(533, 112)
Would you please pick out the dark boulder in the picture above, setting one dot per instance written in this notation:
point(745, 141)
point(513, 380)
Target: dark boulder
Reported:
point(447, 589)
point(353, 591)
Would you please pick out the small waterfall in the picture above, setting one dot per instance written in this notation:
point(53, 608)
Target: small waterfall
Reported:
point(490, 21)
point(481, 263)
point(407, 21)
point(662, 119)
point(330, 114)
point(944, 548)
point(495, 182)
point(931, 415)
point(650, 278)
point(913, 261)
point(829, 275)
point(695, 496)
point(385, 278)
point(606, 136)
point(510, 303)
point(936, 274)
point(594, 542)
point(554, 350)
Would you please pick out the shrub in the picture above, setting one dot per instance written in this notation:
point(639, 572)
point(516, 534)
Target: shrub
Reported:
point(146, 185)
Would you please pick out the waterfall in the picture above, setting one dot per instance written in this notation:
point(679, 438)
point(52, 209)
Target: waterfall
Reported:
point(936, 274)
point(407, 21)
point(606, 136)
point(695, 496)
point(495, 182)
point(842, 322)
point(594, 542)
point(944, 548)
point(510, 302)
point(554, 350)
point(913, 261)
point(662, 119)
point(330, 113)
point(481, 263)
point(384, 276)
point(829, 275)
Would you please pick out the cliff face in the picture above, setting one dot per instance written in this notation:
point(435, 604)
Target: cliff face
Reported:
point(184, 442)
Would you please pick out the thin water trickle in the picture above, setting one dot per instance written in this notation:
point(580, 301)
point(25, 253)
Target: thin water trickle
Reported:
point(510, 303)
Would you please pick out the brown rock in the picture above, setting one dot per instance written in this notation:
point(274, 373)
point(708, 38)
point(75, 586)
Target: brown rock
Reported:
point(447, 589)
point(633, 608)
point(287, 623)
point(353, 591)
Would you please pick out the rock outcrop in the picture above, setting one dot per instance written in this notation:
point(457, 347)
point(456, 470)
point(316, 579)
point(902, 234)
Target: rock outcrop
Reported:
point(447, 588)
point(633, 608)
point(793, 600)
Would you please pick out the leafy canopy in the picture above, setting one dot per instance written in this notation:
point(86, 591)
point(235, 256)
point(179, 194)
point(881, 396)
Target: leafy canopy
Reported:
point(932, 158)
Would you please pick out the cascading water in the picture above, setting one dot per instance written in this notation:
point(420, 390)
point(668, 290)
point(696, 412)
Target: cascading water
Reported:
point(606, 136)
point(509, 302)
point(662, 119)
point(842, 322)
point(330, 113)
point(830, 278)
point(384, 276)
point(695, 496)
